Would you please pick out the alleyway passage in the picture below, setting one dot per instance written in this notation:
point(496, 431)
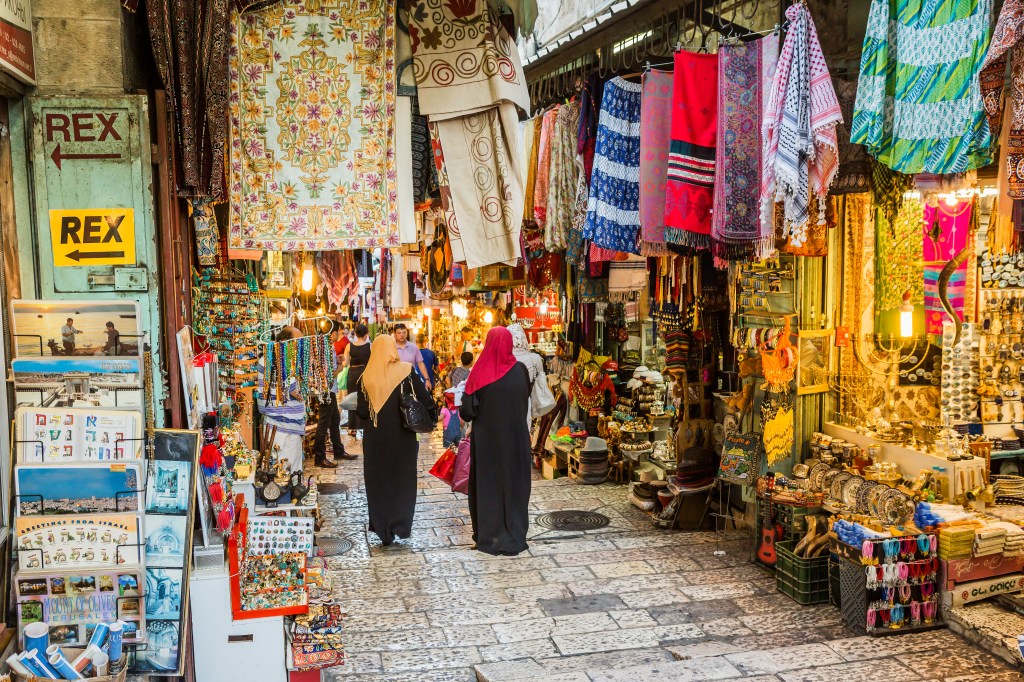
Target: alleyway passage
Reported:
point(627, 602)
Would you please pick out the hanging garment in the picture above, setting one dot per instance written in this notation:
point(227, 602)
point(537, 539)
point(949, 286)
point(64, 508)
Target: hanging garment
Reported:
point(207, 235)
point(303, 175)
point(190, 48)
point(689, 191)
point(946, 231)
point(801, 146)
point(476, 154)
point(562, 178)
point(424, 174)
point(745, 72)
point(591, 96)
point(627, 279)
point(463, 59)
point(531, 137)
point(576, 245)
point(854, 170)
point(540, 198)
point(919, 106)
point(613, 219)
point(405, 204)
point(655, 139)
point(900, 255)
point(1005, 38)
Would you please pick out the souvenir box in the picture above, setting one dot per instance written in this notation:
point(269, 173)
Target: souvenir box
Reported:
point(71, 603)
point(956, 571)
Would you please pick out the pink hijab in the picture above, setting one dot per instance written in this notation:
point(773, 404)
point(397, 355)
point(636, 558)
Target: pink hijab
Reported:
point(494, 362)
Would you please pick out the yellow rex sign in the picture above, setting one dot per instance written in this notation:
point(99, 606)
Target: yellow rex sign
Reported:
point(93, 236)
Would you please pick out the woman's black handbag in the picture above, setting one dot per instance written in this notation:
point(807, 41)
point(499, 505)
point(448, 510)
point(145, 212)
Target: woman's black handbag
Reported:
point(417, 416)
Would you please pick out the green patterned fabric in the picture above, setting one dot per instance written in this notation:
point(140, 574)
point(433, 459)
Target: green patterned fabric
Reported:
point(919, 107)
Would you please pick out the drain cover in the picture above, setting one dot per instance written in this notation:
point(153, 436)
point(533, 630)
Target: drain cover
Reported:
point(332, 546)
point(573, 519)
point(331, 488)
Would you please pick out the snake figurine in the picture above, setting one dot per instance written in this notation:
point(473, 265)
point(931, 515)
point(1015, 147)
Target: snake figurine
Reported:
point(947, 271)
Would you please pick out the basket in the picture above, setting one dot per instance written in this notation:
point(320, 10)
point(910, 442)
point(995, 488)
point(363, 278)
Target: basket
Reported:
point(803, 580)
point(71, 654)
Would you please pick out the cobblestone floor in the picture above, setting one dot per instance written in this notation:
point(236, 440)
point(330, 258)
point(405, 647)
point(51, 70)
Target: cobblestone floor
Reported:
point(627, 602)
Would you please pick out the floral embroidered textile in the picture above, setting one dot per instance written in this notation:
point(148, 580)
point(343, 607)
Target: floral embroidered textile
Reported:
point(312, 126)
point(562, 177)
point(207, 235)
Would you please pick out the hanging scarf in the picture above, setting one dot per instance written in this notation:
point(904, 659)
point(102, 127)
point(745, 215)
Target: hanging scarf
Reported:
point(586, 139)
point(919, 107)
point(562, 177)
point(800, 128)
point(691, 161)
point(1005, 37)
point(854, 171)
point(494, 362)
point(531, 137)
point(745, 70)
point(384, 372)
point(627, 279)
point(540, 198)
point(888, 189)
point(655, 138)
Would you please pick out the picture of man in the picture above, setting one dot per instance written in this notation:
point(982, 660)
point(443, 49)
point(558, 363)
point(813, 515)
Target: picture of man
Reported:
point(112, 347)
point(67, 335)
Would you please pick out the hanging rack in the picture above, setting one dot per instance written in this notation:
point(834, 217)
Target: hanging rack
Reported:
point(272, 329)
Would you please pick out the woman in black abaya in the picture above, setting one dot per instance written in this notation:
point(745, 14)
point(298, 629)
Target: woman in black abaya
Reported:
point(390, 450)
point(496, 402)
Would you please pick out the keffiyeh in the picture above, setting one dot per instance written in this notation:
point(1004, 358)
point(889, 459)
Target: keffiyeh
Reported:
point(799, 129)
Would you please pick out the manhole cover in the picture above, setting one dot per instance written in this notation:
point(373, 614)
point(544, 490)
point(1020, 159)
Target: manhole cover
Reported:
point(332, 546)
point(573, 519)
point(331, 488)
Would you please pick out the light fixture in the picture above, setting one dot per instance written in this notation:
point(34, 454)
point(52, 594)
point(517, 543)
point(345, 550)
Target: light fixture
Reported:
point(320, 310)
point(488, 317)
point(951, 199)
point(544, 307)
point(906, 316)
point(307, 274)
point(427, 311)
point(301, 313)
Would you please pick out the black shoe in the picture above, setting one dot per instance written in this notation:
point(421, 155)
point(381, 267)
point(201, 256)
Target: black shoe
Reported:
point(325, 463)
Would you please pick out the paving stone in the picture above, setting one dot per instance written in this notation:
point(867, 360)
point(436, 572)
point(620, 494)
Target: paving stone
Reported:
point(566, 574)
point(678, 671)
point(456, 599)
point(495, 613)
point(608, 660)
point(622, 569)
point(495, 581)
point(607, 641)
point(654, 598)
point(633, 618)
point(413, 638)
point(587, 604)
point(953, 661)
point(383, 622)
point(506, 671)
point(425, 659)
point(703, 649)
point(862, 671)
point(534, 593)
point(546, 627)
point(785, 658)
point(531, 648)
point(698, 611)
point(509, 565)
point(470, 635)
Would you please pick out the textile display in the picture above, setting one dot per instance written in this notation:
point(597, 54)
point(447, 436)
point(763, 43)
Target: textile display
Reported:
point(745, 70)
point(207, 234)
point(405, 204)
point(777, 426)
point(312, 126)
point(613, 217)
point(562, 177)
point(801, 143)
point(485, 216)
point(540, 198)
point(531, 137)
point(919, 106)
point(900, 256)
point(576, 245)
point(854, 170)
point(814, 242)
point(591, 94)
point(463, 59)
point(946, 231)
point(424, 175)
point(1007, 34)
point(627, 279)
point(888, 189)
point(190, 47)
point(689, 190)
point(655, 138)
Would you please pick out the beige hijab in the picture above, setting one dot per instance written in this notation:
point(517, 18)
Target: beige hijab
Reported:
point(383, 373)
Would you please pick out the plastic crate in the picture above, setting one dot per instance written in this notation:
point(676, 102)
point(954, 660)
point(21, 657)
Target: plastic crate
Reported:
point(835, 590)
point(789, 516)
point(806, 581)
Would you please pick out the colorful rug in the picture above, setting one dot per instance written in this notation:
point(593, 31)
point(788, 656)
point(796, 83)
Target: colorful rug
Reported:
point(689, 191)
point(655, 138)
point(745, 72)
point(919, 107)
point(312, 127)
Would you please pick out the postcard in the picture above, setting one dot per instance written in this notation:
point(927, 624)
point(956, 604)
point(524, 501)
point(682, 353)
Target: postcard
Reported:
point(163, 593)
point(74, 542)
point(78, 488)
point(166, 540)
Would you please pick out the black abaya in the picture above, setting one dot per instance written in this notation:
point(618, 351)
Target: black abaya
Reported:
point(499, 474)
point(389, 465)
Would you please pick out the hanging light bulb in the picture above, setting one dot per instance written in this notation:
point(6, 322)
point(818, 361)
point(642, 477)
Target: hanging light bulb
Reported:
point(307, 274)
point(427, 312)
point(488, 317)
point(906, 316)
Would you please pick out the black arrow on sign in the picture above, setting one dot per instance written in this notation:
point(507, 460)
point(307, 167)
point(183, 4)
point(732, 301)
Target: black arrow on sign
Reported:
point(77, 255)
point(58, 157)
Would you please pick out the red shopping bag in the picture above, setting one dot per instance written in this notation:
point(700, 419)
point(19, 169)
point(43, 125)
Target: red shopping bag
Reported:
point(460, 481)
point(444, 467)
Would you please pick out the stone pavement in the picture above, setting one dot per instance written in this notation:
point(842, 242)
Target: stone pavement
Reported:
point(627, 602)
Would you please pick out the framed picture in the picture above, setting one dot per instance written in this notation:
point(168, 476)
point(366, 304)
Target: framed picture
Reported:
point(162, 654)
point(814, 361)
point(78, 488)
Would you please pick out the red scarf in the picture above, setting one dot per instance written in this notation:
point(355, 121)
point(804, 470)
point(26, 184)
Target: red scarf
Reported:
point(494, 362)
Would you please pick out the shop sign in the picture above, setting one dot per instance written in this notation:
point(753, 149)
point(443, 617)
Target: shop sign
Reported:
point(16, 54)
point(93, 236)
point(983, 589)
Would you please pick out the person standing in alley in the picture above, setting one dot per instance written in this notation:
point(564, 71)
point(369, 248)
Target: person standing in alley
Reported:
point(389, 449)
point(357, 354)
point(496, 403)
point(429, 360)
point(410, 352)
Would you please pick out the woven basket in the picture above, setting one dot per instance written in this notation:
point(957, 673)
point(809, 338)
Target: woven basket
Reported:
point(72, 654)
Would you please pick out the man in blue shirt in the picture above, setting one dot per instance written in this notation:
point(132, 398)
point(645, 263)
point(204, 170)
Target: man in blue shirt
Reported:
point(429, 359)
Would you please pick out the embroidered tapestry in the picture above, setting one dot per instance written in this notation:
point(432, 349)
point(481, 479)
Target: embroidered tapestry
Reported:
point(312, 126)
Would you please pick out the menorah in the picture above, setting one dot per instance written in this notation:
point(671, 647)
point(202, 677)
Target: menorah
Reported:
point(884, 355)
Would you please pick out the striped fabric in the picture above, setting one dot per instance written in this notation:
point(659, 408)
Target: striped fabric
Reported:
point(919, 106)
point(288, 418)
